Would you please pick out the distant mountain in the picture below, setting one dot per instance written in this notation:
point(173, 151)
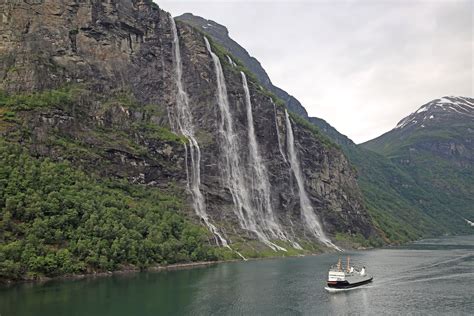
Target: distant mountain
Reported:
point(418, 178)
point(220, 34)
point(435, 145)
point(443, 127)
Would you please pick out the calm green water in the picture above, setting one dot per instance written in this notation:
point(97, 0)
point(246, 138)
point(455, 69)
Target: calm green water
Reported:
point(430, 277)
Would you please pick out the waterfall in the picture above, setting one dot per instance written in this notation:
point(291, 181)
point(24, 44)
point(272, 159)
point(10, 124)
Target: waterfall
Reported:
point(258, 174)
point(231, 62)
point(232, 170)
point(310, 218)
point(183, 124)
point(278, 132)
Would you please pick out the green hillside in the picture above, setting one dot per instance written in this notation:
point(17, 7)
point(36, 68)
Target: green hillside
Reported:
point(435, 146)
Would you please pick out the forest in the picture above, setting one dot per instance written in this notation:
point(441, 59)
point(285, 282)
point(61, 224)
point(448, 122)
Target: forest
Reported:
point(57, 220)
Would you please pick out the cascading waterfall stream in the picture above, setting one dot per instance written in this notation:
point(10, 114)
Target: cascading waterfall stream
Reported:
point(260, 184)
point(183, 125)
point(310, 218)
point(233, 172)
point(231, 62)
point(278, 132)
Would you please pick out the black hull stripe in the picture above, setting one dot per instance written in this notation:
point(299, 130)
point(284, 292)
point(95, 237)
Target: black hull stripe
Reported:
point(347, 285)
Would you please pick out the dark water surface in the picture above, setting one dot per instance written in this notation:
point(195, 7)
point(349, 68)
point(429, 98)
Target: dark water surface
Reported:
point(430, 277)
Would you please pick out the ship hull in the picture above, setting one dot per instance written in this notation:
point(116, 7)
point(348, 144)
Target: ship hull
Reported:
point(347, 284)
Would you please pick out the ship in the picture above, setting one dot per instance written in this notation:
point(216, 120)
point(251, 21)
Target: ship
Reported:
point(348, 278)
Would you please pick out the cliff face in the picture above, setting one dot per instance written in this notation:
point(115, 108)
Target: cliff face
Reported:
point(113, 44)
point(113, 58)
point(114, 66)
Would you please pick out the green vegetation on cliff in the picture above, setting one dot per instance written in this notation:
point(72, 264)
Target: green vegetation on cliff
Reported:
point(57, 220)
point(386, 189)
point(44, 99)
point(325, 140)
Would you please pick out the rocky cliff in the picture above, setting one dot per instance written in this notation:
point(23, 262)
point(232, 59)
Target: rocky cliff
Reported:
point(96, 83)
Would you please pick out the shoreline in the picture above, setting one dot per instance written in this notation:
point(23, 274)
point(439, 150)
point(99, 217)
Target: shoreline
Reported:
point(123, 271)
point(132, 270)
point(172, 267)
point(156, 268)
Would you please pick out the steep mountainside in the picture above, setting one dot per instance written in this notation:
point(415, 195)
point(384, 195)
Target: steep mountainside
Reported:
point(141, 104)
point(435, 145)
point(396, 201)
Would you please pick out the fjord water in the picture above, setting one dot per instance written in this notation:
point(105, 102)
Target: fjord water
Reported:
point(431, 277)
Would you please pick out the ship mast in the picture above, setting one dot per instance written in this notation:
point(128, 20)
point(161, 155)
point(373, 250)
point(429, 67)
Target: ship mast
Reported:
point(348, 264)
point(339, 265)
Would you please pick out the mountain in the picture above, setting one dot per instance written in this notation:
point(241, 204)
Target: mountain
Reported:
point(442, 127)
point(396, 201)
point(130, 140)
point(435, 145)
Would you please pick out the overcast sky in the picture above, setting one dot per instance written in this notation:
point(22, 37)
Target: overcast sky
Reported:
point(360, 65)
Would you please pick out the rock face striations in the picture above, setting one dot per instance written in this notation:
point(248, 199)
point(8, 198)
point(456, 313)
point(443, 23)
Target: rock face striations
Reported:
point(130, 94)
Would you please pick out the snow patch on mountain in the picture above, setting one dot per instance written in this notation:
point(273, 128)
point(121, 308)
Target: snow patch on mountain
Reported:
point(448, 105)
point(422, 109)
